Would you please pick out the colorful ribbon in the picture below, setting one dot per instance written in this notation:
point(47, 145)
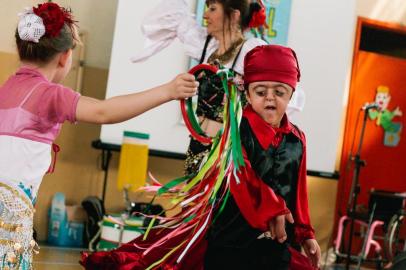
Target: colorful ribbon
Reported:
point(204, 194)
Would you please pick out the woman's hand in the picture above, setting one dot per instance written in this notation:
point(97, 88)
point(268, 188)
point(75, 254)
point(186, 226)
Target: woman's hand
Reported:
point(312, 250)
point(183, 86)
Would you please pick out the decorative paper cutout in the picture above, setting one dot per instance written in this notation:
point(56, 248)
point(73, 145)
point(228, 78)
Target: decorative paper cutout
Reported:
point(384, 117)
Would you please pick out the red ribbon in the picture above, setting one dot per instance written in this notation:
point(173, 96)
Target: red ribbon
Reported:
point(55, 149)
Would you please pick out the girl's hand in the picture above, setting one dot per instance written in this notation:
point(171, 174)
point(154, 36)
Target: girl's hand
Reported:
point(183, 86)
point(312, 250)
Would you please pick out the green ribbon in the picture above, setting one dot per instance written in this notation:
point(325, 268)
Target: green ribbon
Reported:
point(192, 117)
point(223, 205)
point(151, 223)
point(173, 184)
point(189, 218)
point(216, 160)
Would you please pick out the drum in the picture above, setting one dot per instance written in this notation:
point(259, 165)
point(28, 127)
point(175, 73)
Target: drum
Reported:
point(116, 231)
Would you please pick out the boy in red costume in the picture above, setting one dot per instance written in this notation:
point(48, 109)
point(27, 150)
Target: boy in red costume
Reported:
point(272, 184)
point(228, 232)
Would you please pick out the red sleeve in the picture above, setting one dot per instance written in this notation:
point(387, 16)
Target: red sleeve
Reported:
point(257, 202)
point(303, 228)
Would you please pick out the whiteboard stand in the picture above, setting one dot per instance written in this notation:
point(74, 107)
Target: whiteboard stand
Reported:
point(107, 150)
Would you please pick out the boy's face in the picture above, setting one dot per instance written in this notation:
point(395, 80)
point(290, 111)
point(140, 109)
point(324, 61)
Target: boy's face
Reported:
point(269, 99)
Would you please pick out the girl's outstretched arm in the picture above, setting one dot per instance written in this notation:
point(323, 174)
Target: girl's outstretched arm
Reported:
point(121, 108)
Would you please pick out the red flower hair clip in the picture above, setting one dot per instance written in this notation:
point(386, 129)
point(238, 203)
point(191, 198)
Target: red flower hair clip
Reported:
point(54, 17)
point(258, 17)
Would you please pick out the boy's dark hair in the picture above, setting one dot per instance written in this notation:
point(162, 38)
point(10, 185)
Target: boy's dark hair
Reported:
point(47, 47)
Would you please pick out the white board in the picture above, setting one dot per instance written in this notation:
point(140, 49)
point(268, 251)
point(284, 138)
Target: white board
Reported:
point(321, 32)
point(167, 132)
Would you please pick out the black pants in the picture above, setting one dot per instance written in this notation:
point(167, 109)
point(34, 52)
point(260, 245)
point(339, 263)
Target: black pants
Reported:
point(263, 254)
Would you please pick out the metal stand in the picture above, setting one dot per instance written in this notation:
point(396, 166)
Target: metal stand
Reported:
point(106, 158)
point(355, 189)
point(107, 153)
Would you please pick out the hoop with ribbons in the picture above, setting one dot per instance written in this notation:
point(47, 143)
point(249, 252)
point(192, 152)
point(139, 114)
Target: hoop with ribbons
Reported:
point(186, 106)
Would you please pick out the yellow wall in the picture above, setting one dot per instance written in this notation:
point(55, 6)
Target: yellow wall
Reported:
point(322, 201)
point(96, 17)
point(8, 64)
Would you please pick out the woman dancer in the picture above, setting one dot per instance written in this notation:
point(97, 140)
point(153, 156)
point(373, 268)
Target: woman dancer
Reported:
point(222, 42)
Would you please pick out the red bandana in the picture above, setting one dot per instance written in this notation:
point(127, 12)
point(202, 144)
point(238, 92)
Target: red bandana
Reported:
point(271, 63)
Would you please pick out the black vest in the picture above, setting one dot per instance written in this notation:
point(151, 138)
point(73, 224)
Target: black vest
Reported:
point(278, 168)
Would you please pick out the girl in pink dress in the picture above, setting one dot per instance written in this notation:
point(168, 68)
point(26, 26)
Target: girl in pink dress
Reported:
point(33, 106)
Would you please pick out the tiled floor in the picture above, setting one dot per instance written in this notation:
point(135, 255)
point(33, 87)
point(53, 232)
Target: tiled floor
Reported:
point(56, 258)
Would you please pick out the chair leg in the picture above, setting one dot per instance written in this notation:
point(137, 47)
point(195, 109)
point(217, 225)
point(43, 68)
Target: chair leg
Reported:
point(370, 240)
point(339, 238)
point(379, 262)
